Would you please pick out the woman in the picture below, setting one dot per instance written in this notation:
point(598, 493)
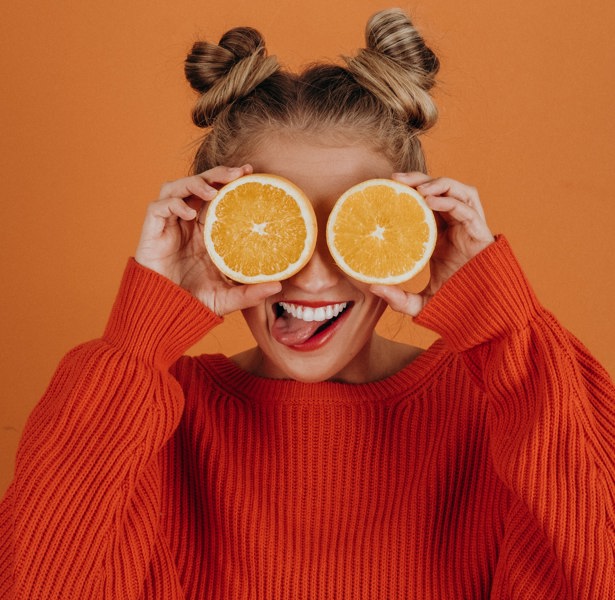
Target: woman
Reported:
point(325, 462)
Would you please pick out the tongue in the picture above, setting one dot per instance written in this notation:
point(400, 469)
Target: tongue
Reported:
point(291, 332)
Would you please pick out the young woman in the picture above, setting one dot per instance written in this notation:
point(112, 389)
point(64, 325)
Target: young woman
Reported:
point(326, 462)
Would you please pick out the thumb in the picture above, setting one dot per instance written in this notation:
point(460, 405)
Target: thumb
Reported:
point(400, 300)
point(246, 296)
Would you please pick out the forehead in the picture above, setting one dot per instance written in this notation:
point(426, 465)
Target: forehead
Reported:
point(322, 170)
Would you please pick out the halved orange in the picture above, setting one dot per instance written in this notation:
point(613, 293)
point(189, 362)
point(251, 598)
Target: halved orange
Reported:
point(260, 228)
point(381, 231)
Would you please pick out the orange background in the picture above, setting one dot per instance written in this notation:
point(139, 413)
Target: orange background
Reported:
point(96, 115)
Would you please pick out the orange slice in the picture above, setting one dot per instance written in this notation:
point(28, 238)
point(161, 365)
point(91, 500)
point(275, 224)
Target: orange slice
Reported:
point(260, 228)
point(381, 231)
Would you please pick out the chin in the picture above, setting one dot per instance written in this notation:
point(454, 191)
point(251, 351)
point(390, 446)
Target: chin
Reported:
point(309, 373)
point(304, 371)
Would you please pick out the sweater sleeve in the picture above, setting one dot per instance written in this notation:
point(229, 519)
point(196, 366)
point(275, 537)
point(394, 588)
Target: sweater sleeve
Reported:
point(81, 515)
point(551, 421)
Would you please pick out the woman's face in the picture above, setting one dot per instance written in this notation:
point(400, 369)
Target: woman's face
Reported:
point(339, 348)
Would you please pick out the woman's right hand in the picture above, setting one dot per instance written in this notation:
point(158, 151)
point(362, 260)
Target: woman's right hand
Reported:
point(172, 243)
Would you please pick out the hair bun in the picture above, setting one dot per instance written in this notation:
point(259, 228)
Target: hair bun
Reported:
point(398, 67)
point(225, 72)
point(391, 33)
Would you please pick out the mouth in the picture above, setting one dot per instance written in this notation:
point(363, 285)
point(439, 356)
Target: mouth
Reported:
point(307, 326)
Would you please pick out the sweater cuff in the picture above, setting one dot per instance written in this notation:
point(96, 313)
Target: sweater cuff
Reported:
point(155, 319)
point(488, 298)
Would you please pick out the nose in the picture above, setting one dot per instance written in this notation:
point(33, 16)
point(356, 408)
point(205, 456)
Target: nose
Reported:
point(319, 274)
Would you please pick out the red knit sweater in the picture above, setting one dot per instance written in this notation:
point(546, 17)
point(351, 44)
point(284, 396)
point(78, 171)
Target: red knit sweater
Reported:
point(482, 470)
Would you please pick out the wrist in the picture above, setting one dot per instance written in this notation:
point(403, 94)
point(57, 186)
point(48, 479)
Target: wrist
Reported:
point(155, 319)
point(489, 297)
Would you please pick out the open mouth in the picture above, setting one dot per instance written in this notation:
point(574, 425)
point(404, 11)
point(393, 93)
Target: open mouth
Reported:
point(298, 323)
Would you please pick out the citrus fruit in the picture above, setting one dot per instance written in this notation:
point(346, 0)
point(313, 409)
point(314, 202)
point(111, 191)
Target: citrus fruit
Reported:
point(260, 228)
point(381, 231)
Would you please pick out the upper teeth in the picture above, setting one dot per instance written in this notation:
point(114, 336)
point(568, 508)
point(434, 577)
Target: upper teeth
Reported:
point(307, 313)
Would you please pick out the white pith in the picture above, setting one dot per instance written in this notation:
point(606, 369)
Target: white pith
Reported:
point(308, 313)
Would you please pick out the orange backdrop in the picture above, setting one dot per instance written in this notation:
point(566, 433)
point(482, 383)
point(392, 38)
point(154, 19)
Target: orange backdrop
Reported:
point(95, 116)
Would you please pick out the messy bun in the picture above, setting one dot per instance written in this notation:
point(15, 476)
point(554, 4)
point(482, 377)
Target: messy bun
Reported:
point(226, 72)
point(398, 68)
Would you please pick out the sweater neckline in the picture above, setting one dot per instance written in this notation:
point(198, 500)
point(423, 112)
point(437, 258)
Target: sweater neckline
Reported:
point(234, 380)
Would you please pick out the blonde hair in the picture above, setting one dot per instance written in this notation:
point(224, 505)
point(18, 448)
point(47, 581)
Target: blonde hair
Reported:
point(380, 97)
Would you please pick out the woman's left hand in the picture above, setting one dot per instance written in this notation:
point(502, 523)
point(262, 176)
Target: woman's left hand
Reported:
point(462, 234)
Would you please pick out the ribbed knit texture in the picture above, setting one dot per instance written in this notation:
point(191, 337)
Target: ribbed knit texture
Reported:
point(482, 470)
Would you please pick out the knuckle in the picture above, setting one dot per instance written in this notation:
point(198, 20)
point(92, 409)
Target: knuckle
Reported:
point(209, 172)
point(167, 190)
point(152, 206)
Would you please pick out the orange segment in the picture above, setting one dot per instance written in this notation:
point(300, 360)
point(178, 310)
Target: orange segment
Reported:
point(260, 228)
point(381, 231)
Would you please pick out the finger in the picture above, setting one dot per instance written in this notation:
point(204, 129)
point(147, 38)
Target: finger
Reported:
point(204, 185)
point(188, 187)
point(444, 186)
point(400, 300)
point(455, 211)
point(413, 178)
point(246, 296)
point(195, 202)
point(172, 208)
point(223, 175)
point(165, 213)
